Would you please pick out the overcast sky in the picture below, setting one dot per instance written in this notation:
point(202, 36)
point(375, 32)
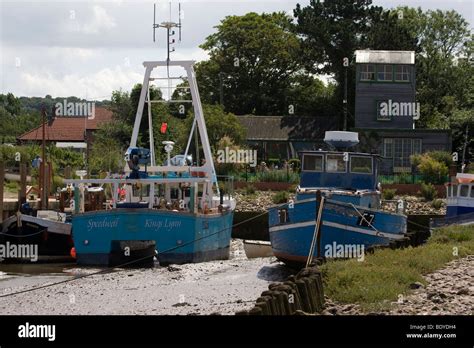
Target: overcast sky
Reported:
point(90, 48)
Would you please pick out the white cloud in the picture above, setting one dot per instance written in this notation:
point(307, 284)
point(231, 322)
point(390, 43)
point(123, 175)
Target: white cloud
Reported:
point(100, 21)
point(98, 85)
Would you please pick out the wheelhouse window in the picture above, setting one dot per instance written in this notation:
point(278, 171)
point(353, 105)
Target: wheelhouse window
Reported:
point(464, 190)
point(361, 165)
point(335, 164)
point(384, 73)
point(455, 191)
point(367, 72)
point(313, 163)
point(402, 73)
point(450, 191)
point(472, 191)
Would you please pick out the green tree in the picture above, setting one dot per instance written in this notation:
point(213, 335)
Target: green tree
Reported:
point(309, 96)
point(445, 73)
point(254, 57)
point(331, 31)
point(122, 107)
point(11, 104)
point(107, 154)
point(219, 125)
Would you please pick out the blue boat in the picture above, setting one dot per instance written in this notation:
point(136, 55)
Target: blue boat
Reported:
point(337, 211)
point(459, 202)
point(175, 211)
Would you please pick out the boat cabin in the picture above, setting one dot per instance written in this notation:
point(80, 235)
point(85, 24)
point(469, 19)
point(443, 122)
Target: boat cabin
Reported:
point(460, 195)
point(338, 170)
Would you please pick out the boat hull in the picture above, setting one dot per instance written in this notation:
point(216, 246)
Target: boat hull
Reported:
point(53, 238)
point(254, 249)
point(457, 210)
point(178, 237)
point(343, 232)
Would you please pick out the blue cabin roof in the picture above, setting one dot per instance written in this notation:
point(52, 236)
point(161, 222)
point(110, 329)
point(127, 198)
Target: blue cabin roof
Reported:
point(342, 170)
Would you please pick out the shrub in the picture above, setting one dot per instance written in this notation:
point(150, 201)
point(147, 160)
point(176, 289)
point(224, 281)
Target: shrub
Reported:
point(415, 159)
point(433, 171)
point(437, 203)
point(405, 178)
point(281, 175)
point(428, 191)
point(388, 193)
point(249, 190)
point(441, 156)
point(273, 162)
point(281, 197)
point(433, 166)
point(295, 163)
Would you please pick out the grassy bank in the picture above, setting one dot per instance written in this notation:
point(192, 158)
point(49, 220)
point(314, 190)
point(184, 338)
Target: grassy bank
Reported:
point(378, 280)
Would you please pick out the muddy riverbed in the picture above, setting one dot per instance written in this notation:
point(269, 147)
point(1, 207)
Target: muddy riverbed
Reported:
point(218, 287)
point(222, 287)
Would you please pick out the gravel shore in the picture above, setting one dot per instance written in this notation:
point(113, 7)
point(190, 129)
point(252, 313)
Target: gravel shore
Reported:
point(262, 200)
point(449, 291)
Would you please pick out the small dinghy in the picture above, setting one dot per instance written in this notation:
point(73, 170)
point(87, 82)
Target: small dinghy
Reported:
point(257, 248)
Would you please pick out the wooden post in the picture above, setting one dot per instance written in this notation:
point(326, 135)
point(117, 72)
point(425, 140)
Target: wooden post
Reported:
point(316, 242)
point(22, 191)
point(42, 188)
point(67, 172)
point(46, 187)
point(2, 181)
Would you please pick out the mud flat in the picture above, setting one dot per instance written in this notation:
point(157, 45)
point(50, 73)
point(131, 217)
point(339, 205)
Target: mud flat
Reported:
point(222, 287)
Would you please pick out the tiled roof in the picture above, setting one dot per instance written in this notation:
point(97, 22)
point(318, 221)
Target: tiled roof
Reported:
point(285, 128)
point(68, 128)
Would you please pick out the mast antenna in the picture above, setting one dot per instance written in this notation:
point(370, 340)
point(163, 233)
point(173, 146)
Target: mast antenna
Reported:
point(169, 26)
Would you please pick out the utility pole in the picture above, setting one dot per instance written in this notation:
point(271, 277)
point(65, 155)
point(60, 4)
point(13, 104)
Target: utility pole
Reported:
point(221, 89)
point(345, 63)
point(464, 149)
point(44, 183)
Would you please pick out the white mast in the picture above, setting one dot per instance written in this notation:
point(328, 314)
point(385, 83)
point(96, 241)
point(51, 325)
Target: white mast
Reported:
point(208, 166)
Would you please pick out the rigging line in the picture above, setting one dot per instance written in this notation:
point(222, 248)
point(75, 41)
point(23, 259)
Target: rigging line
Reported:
point(23, 235)
point(353, 206)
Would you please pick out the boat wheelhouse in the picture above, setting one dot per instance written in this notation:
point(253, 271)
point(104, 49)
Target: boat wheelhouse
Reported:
point(346, 176)
point(460, 196)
